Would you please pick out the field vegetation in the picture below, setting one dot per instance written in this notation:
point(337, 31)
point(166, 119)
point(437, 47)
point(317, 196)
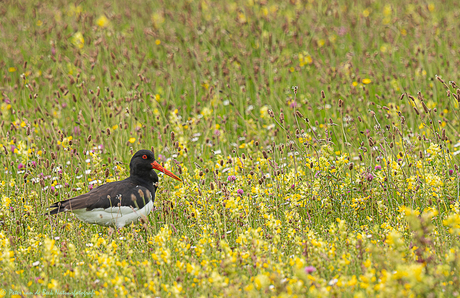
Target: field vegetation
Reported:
point(317, 142)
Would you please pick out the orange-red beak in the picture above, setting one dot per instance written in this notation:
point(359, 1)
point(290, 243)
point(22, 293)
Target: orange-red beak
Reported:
point(158, 167)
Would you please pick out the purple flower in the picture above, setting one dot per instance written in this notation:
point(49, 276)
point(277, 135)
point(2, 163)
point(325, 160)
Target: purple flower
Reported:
point(7, 100)
point(310, 269)
point(370, 177)
point(451, 172)
point(66, 184)
point(20, 166)
point(217, 132)
point(231, 178)
point(378, 167)
point(64, 105)
point(13, 148)
point(53, 51)
point(240, 192)
point(91, 187)
point(34, 164)
point(53, 188)
point(293, 186)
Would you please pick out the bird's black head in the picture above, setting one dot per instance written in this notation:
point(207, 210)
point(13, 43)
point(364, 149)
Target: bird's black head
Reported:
point(143, 164)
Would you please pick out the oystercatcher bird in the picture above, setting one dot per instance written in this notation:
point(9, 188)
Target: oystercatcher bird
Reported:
point(122, 202)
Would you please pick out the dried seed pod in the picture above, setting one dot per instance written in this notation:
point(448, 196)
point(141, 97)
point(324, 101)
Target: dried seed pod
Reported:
point(265, 154)
point(425, 108)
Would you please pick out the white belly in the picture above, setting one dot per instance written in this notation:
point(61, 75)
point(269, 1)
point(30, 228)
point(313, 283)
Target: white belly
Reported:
point(114, 216)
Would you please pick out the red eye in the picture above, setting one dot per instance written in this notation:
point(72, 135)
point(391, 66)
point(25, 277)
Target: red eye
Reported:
point(144, 156)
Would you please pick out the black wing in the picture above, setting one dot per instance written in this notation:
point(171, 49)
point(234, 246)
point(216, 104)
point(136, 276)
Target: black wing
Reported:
point(121, 193)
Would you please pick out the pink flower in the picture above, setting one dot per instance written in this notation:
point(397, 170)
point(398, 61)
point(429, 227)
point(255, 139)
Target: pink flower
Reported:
point(342, 31)
point(231, 178)
point(310, 269)
point(370, 177)
point(240, 192)
point(76, 130)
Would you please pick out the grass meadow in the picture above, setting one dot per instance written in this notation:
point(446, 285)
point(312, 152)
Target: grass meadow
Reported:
point(317, 142)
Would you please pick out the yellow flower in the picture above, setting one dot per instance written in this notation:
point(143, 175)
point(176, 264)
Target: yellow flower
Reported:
point(53, 284)
point(367, 81)
point(102, 21)
point(12, 69)
point(132, 140)
point(261, 281)
point(78, 40)
point(157, 42)
point(157, 19)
